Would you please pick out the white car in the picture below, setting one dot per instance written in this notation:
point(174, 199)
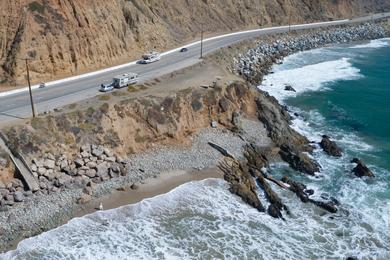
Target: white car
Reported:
point(150, 57)
point(106, 87)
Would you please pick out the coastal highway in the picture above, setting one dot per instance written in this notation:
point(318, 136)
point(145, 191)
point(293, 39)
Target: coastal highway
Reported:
point(15, 104)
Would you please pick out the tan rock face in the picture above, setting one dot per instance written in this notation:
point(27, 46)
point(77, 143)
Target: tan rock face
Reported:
point(69, 37)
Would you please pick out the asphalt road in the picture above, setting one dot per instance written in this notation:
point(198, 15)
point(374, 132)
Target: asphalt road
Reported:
point(17, 106)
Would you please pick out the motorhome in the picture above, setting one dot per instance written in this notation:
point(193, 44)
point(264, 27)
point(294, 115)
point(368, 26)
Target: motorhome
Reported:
point(150, 57)
point(125, 80)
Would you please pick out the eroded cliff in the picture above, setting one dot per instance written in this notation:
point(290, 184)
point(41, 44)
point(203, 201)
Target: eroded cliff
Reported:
point(69, 37)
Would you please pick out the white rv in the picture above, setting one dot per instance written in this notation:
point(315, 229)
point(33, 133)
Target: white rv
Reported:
point(150, 57)
point(125, 80)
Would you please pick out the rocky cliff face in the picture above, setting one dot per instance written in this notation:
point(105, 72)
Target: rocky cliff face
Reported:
point(69, 37)
point(134, 125)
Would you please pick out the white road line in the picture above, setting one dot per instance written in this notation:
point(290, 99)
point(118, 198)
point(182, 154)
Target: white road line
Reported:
point(48, 84)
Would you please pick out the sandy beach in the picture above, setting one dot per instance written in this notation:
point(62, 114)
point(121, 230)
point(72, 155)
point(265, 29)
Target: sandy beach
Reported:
point(151, 187)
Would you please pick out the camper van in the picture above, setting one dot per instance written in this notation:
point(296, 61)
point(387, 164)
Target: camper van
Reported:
point(125, 80)
point(150, 57)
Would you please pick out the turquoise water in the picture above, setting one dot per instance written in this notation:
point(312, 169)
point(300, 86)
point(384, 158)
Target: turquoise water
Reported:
point(342, 91)
point(361, 106)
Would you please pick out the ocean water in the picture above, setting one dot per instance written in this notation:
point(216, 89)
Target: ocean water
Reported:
point(342, 91)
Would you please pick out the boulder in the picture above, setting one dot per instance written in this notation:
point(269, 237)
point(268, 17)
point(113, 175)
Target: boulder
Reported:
point(299, 161)
point(3, 162)
point(85, 154)
point(34, 167)
point(2, 185)
point(3, 192)
point(97, 152)
point(88, 190)
point(108, 152)
point(17, 183)
point(9, 197)
point(43, 185)
point(102, 169)
point(91, 173)
point(85, 148)
point(49, 164)
point(18, 196)
point(110, 159)
point(38, 163)
point(361, 169)
point(85, 198)
point(79, 162)
point(330, 147)
point(41, 171)
point(134, 186)
point(63, 180)
point(50, 156)
point(91, 165)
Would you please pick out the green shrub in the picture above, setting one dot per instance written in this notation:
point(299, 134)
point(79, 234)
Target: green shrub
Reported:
point(104, 97)
point(36, 7)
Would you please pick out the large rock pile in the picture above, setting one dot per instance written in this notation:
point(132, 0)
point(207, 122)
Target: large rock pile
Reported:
point(256, 62)
point(12, 193)
point(92, 164)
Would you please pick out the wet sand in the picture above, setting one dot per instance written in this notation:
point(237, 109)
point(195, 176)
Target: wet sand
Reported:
point(152, 187)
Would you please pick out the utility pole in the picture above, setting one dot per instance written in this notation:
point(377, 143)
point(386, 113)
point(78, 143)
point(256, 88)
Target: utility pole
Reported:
point(29, 88)
point(289, 18)
point(201, 43)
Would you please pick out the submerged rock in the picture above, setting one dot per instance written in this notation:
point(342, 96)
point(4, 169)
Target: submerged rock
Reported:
point(330, 147)
point(361, 169)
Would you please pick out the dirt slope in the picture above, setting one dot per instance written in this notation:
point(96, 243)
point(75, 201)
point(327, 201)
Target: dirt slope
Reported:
point(68, 36)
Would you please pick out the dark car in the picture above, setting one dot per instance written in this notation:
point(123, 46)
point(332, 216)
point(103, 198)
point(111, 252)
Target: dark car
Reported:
point(183, 50)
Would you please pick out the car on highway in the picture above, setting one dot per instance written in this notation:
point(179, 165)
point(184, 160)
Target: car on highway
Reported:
point(150, 57)
point(183, 49)
point(106, 87)
point(42, 85)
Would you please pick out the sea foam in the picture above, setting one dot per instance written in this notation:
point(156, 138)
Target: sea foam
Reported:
point(312, 77)
point(373, 44)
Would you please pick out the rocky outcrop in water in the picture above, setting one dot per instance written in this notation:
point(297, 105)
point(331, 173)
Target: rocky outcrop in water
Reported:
point(277, 120)
point(299, 161)
point(241, 182)
point(304, 194)
point(361, 170)
point(330, 147)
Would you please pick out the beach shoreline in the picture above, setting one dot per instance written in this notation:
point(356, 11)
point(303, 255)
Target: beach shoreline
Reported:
point(151, 187)
point(158, 179)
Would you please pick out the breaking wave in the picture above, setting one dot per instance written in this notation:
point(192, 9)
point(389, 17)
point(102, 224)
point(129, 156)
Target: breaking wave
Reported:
point(312, 77)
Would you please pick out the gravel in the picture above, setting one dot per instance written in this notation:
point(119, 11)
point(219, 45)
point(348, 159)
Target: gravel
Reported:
point(39, 213)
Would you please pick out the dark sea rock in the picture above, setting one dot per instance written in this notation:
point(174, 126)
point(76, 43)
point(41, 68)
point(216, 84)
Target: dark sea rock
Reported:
point(241, 183)
point(277, 120)
point(300, 190)
point(298, 160)
point(330, 147)
point(289, 88)
point(361, 169)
